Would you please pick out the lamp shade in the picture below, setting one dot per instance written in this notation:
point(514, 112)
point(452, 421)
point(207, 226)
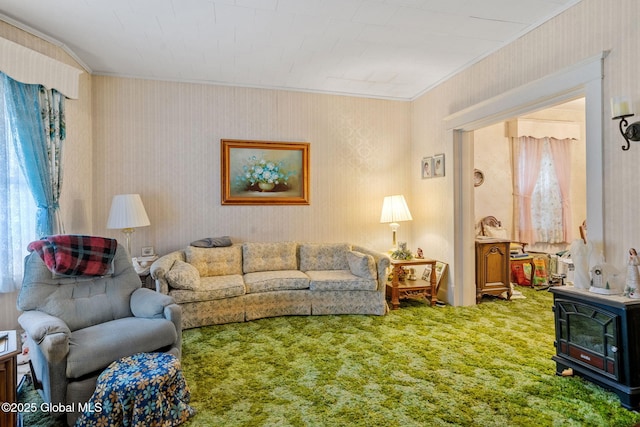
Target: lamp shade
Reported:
point(395, 209)
point(127, 211)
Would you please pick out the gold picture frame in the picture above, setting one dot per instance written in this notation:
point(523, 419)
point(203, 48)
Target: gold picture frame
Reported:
point(264, 172)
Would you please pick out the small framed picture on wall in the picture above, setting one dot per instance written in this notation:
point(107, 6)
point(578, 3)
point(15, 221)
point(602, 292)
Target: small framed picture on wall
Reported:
point(438, 165)
point(427, 167)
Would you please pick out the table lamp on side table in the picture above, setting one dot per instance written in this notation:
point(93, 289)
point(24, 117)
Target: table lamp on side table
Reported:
point(394, 210)
point(127, 213)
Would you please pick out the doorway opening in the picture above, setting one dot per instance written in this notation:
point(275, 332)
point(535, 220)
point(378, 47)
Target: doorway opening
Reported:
point(583, 79)
point(496, 160)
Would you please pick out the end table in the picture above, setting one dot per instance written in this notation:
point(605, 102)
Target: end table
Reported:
point(8, 376)
point(412, 288)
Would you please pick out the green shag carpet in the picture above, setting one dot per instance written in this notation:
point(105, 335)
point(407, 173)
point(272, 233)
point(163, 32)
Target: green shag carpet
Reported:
point(486, 365)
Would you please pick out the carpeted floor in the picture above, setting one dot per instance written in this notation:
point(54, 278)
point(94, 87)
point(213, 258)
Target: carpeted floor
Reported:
point(486, 365)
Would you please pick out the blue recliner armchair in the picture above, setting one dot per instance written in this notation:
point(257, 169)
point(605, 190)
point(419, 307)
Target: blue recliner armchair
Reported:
point(77, 326)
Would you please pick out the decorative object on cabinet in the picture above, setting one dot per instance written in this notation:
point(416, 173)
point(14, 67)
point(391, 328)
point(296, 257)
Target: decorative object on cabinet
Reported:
point(427, 167)
point(395, 210)
point(264, 172)
point(492, 228)
point(127, 213)
point(438, 165)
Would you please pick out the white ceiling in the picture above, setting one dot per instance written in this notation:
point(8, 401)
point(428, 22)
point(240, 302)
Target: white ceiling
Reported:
point(394, 49)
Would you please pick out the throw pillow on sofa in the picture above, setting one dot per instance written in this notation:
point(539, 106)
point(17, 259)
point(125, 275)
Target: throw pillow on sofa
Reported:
point(362, 265)
point(183, 275)
point(212, 242)
point(215, 261)
point(324, 256)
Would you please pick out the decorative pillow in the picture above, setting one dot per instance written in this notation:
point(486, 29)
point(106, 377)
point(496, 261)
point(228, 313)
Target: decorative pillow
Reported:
point(215, 261)
point(496, 232)
point(183, 275)
point(362, 265)
point(212, 242)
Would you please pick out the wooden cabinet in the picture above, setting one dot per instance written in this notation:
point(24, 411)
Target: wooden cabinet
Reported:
point(8, 376)
point(492, 268)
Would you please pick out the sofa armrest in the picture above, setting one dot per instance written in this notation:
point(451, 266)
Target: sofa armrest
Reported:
point(383, 262)
point(161, 266)
point(50, 333)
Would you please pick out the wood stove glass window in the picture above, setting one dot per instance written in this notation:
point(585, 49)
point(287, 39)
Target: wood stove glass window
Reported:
point(588, 335)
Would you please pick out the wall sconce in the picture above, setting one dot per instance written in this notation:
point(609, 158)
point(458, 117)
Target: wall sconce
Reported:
point(620, 110)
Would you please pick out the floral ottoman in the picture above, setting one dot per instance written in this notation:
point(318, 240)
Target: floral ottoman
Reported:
point(146, 389)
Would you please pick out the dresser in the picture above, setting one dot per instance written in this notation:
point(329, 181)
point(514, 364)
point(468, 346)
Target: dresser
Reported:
point(492, 268)
point(8, 377)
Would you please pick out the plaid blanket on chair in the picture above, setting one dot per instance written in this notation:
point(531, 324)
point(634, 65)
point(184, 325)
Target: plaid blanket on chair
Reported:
point(76, 255)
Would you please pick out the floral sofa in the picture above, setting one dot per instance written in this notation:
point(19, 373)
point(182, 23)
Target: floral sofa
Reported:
point(249, 281)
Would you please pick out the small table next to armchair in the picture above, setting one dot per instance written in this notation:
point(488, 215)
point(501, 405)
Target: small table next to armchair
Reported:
point(405, 288)
point(8, 376)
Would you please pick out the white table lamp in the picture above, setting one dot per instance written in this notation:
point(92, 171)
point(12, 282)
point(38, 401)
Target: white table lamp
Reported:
point(127, 213)
point(394, 210)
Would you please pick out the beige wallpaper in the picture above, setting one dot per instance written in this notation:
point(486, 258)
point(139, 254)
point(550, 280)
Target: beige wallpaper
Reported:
point(162, 140)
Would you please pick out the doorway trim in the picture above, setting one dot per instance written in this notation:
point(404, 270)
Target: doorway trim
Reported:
point(583, 79)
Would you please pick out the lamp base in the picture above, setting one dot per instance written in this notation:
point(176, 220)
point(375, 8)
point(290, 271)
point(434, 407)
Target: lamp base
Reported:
point(127, 234)
point(394, 233)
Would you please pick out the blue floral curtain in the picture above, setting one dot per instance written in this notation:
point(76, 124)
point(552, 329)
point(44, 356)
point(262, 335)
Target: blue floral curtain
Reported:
point(37, 126)
point(17, 209)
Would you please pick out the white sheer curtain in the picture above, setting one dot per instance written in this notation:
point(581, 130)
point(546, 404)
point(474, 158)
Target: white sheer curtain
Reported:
point(542, 175)
point(546, 201)
point(561, 153)
point(17, 210)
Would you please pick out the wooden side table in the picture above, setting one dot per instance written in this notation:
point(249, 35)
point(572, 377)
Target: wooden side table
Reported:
point(142, 266)
point(8, 376)
point(411, 288)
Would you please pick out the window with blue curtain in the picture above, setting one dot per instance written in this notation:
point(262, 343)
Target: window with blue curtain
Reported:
point(17, 207)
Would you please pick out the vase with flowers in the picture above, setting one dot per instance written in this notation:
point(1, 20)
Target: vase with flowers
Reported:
point(260, 174)
point(402, 252)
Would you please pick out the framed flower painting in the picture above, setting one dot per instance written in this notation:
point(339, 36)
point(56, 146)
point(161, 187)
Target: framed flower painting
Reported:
point(264, 172)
